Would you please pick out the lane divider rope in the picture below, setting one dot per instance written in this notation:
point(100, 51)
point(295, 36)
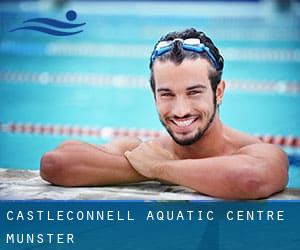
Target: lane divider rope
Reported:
point(44, 78)
point(140, 51)
point(109, 132)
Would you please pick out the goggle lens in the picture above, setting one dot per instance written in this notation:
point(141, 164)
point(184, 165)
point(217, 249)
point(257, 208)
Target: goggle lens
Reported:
point(191, 44)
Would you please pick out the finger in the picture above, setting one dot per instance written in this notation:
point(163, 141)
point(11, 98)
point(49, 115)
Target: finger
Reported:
point(129, 158)
point(127, 153)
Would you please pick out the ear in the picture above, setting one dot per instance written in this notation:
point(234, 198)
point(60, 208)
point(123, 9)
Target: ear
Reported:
point(220, 92)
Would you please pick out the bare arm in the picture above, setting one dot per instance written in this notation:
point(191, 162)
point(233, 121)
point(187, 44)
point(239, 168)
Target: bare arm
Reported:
point(76, 163)
point(256, 171)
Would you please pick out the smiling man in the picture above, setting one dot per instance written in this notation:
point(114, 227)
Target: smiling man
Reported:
point(200, 152)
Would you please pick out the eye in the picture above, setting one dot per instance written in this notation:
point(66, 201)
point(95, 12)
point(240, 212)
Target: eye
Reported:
point(194, 92)
point(166, 94)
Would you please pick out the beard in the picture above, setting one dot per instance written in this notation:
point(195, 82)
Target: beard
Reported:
point(197, 136)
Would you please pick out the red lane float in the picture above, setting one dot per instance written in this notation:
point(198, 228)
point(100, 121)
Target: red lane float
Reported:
point(107, 132)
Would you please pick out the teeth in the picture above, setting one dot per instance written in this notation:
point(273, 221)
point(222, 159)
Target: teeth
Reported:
point(184, 123)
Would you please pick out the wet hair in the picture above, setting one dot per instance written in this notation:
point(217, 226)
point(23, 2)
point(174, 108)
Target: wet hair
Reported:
point(177, 54)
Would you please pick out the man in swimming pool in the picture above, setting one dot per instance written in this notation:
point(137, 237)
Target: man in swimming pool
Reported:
point(200, 152)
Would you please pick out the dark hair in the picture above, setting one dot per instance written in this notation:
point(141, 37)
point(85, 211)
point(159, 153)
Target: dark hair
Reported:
point(177, 55)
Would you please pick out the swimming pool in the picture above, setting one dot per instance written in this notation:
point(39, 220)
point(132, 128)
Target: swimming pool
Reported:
point(93, 85)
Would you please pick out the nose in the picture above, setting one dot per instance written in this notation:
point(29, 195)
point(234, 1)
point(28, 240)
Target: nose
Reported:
point(181, 107)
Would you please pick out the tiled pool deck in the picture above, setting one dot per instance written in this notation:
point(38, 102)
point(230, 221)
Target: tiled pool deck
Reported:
point(27, 185)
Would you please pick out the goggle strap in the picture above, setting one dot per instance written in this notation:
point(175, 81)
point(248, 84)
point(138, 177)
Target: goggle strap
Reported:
point(200, 49)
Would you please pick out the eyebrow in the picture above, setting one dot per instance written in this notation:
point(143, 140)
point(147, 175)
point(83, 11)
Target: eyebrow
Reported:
point(164, 89)
point(198, 86)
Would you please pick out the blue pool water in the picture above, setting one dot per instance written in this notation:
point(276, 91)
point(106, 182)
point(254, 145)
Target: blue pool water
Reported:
point(42, 77)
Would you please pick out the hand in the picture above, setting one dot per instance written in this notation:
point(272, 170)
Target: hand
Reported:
point(145, 158)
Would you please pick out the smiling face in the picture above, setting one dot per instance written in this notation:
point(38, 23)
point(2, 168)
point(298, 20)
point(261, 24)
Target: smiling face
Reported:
point(184, 98)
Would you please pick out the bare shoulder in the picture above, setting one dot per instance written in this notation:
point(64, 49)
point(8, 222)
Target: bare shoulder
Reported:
point(253, 146)
point(121, 145)
point(265, 151)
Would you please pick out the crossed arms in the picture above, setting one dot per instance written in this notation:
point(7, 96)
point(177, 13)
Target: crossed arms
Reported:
point(256, 171)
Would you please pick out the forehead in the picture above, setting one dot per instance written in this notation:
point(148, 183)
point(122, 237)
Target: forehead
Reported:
point(191, 71)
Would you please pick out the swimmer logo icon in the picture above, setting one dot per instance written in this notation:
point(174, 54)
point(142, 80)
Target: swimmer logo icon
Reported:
point(71, 15)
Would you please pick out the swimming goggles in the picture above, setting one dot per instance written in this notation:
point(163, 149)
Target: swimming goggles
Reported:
point(190, 44)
